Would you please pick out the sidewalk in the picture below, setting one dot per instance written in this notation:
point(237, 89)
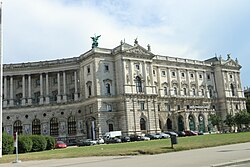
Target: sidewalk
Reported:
point(207, 157)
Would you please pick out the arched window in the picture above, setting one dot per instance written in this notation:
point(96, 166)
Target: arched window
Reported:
point(108, 88)
point(143, 124)
point(138, 84)
point(54, 127)
point(71, 125)
point(36, 127)
point(17, 127)
point(232, 89)
point(210, 92)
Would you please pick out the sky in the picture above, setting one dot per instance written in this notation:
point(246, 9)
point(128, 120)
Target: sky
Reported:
point(39, 30)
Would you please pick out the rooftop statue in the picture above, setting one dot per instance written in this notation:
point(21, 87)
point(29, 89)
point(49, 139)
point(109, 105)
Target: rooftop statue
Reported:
point(94, 41)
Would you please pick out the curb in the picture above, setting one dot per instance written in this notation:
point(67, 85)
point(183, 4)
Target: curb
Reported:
point(237, 162)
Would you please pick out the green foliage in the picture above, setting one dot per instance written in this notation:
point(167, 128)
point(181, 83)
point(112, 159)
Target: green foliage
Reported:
point(248, 104)
point(24, 144)
point(8, 144)
point(215, 120)
point(39, 142)
point(229, 121)
point(50, 142)
point(242, 117)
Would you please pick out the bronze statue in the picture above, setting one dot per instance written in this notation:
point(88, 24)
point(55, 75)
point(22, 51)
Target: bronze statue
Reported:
point(94, 39)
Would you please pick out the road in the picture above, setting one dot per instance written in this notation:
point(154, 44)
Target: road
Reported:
point(207, 157)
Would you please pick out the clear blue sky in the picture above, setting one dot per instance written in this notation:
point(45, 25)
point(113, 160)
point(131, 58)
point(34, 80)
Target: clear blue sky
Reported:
point(36, 30)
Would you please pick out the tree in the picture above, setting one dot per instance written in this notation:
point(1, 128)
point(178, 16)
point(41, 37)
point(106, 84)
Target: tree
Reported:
point(242, 118)
point(229, 121)
point(215, 120)
point(248, 104)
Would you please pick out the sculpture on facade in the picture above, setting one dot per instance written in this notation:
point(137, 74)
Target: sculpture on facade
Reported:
point(94, 41)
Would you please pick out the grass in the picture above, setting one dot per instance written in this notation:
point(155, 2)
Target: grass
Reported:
point(135, 148)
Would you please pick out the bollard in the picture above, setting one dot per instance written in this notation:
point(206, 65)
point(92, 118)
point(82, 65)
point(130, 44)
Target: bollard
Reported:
point(173, 140)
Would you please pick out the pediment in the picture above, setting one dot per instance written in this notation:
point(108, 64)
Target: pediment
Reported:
point(232, 63)
point(138, 50)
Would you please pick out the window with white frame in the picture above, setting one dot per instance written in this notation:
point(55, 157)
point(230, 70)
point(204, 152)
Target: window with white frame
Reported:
point(185, 91)
point(163, 73)
point(109, 107)
point(107, 86)
point(175, 90)
point(137, 67)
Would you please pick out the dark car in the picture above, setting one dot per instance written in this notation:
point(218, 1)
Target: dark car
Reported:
point(125, 139)
point(113, 140)
point(190, 133)
point(135, 138)
point(86, 142)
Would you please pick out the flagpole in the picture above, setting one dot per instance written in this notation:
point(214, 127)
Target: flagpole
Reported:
point(1, 76)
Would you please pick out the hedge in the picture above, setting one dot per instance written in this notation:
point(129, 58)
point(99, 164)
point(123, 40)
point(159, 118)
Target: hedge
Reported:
point(8, 144)
point(50, 142)
point(24, 144)
point(39, 143)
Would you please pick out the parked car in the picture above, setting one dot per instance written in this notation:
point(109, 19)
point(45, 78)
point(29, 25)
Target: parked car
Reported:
point(60, 144)
point(163, 135)
point(125, 139)
point(86, 142)
point(153, 136)
point(145, 138)
point(100, 141)
point(135, 138)
point(171, 133)
point(181, 134)
point(190, 133)
point(113, 140)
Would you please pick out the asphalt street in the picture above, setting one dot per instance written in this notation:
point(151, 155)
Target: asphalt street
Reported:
point(229, 155)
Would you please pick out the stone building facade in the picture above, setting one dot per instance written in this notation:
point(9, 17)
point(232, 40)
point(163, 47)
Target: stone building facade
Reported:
point(127, 88)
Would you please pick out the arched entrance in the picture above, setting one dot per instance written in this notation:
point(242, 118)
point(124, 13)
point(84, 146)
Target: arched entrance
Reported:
point(201, 123)
point(91, 128)
point(143, 124)
point(169, 124)
point(191, 122)
point(180, 123)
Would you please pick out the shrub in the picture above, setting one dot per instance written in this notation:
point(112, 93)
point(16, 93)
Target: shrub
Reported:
point(24, 144)
point(8, 144)
point(50, 142)
point(39, 143)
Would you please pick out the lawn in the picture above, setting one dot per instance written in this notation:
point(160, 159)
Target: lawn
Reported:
point(135, 148)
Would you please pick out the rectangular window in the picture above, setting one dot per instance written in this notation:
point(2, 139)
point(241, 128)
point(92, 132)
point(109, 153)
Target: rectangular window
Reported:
point(19, 83)
point(183, 74)
point(153, 72)
point(163, 73)
point(37, 82)
point(173, 73)
point(88, 69)
point(200, 76)
point(109, 108)
point(192, 75)
point(159, 107)
point(54, 80)
point(178, 107)
point(208, 76)
point(106, 68)
point(142, 106)
point(137, 66)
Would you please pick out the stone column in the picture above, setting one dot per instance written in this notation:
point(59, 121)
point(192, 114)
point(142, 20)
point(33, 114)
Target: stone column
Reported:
point(76, 90)
point(169, 86)
point(178, 81)
point(41, 89)
point(23, 87)
point(58, 88)
point(188, 82)
point(47, 88)
point(29, 90)
point(11, 91)
point(144, 73)
point(159, 81)
point(5, 102)
point(64, 87)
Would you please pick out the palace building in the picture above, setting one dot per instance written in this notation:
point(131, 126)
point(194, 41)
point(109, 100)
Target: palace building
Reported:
point(127, 88)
